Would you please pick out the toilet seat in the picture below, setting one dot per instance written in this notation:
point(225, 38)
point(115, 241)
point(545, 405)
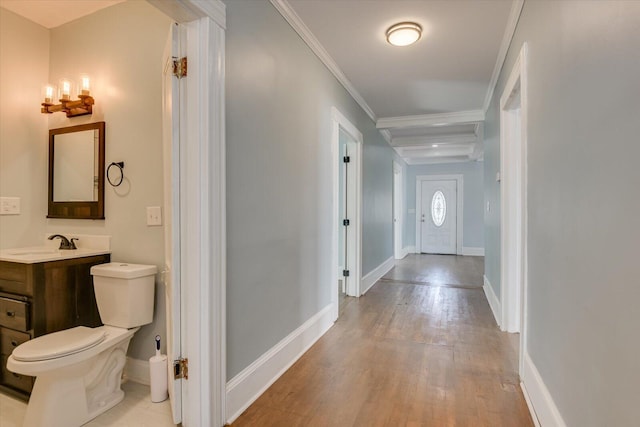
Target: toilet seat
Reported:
point(59, 344)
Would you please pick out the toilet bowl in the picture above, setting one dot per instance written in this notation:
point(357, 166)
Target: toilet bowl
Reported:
point(78, 371)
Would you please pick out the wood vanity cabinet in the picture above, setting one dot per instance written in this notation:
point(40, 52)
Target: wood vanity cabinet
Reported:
point(37, 299)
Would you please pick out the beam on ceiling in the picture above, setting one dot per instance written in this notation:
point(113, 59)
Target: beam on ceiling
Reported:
point(440, 119)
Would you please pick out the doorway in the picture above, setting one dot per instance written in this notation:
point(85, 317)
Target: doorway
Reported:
point(513, 209)
point(439, 214)
point(347, 162)
point(398, 214)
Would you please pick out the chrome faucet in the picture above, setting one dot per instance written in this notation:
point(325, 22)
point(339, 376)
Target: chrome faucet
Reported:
point(64, 242)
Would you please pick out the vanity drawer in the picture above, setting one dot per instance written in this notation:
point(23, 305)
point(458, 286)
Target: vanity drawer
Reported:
point(14, 314)
point(10, 339)
point(16, 278)
point(11, 379)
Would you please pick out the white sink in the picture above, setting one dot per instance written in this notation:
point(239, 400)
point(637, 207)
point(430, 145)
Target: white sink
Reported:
point(33, 251)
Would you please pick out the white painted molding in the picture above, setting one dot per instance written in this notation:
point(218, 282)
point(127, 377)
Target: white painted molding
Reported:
point(543, 408)
point(307, 36)
point(411, 250)
point(137, 370)
point(386, 135)
point(471, 116)
point(376, 274)
point(436, 161)
point(527, 399)
point(256, 378)
point(509, 31)
point(493, 300)
point(189, 10)
point(472, 251)
point(408, 141)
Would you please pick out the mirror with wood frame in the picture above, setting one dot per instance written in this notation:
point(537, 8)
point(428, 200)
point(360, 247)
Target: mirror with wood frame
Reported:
point(76, 172)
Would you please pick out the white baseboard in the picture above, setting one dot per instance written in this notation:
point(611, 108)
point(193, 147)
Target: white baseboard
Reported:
point(411, 249)
point(405, 251)
point(376, 274)
point(472, 251)
point(494, 302)
point(137, 370)
point(255, 379)
point(541, 405)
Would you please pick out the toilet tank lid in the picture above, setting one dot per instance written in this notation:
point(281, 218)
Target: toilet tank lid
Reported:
point(123, 270)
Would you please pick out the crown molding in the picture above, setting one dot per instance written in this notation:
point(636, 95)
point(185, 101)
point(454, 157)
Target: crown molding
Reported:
point(307, 36)
point(509, 31)
point(386, 135)
point(436, 161)
point(440, 119)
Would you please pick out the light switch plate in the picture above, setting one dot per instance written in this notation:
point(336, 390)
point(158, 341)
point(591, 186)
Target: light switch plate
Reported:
point(9, 205)
point(154, 215)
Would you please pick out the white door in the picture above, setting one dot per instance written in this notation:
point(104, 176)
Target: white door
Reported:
point(438, 217)
point(171, 160)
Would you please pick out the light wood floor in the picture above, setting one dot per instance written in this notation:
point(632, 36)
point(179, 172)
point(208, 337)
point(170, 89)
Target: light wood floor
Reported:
point(421, 348)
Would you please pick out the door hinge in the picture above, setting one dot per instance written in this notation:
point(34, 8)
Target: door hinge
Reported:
point(180, 67)
point(181, 369)
point(345, 273)
point(346, 159)
point(345, 222)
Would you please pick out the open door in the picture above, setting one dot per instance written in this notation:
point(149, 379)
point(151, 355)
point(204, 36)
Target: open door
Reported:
point(171, 154)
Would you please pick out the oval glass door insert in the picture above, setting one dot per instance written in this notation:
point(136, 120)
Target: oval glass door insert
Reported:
point(438, 208)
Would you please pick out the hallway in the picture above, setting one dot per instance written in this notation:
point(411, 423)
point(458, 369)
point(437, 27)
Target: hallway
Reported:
point(420, 348)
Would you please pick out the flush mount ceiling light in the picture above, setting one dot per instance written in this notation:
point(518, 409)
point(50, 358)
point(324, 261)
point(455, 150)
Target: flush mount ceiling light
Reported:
point(404, 33)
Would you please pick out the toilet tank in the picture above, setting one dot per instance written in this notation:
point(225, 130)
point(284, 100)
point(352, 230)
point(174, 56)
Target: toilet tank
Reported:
point(124, 293)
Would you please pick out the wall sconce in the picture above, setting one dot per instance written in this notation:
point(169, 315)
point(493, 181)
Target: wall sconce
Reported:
point(73, 108)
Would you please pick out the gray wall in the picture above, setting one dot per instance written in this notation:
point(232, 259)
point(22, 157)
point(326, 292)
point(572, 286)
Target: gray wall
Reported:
point(583, 204)
point(473, 230)
point(279, 191)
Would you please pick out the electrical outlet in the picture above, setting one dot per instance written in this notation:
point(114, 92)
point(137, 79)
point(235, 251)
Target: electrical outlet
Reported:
point(154, 215)
point(9, 205)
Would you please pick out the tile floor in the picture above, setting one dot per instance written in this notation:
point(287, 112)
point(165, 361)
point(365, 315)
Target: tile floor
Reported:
point(136, 410)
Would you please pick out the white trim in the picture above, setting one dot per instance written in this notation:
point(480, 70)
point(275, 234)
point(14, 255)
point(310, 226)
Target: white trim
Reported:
point(307, 36)
point(527, 399)
point(398, 211)
point(509, 31)
point(376, 274)
point(470, 116)
point(543, 409)
point(137, 370)
point(472, 251)
point(493, 301)
point(203, 210)
point(513, 194)
point(340, 121)
point(411, 250)
point(248, 385)
point(459, 178)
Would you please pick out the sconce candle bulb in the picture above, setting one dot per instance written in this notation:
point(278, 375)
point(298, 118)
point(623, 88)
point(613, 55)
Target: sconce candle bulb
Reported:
point(78, 107)
point(65, 90)
point(85, 85)
point(49, 90)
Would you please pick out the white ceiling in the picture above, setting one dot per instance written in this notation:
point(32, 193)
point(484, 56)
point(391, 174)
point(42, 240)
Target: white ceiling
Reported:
point(417, 91)
point(53, 13)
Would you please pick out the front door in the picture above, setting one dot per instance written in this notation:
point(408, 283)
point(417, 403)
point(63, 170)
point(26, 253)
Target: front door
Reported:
point(438, 217)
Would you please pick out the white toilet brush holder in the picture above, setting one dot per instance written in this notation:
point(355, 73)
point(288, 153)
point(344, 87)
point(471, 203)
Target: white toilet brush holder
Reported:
point(158, 375)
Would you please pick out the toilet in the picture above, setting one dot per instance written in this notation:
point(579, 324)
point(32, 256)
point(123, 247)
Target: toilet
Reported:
point(78, 370)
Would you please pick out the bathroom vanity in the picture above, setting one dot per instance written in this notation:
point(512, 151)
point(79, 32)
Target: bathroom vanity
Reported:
point(43, 290)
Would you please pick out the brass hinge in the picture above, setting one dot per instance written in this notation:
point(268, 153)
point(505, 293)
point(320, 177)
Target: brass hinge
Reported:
point(181, 369)
point(180, 67)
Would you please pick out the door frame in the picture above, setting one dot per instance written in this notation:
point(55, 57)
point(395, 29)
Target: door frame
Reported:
point(203, 210)
point(513, 205)
point(398, 212)
point(339, 121)
point(459, 178)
